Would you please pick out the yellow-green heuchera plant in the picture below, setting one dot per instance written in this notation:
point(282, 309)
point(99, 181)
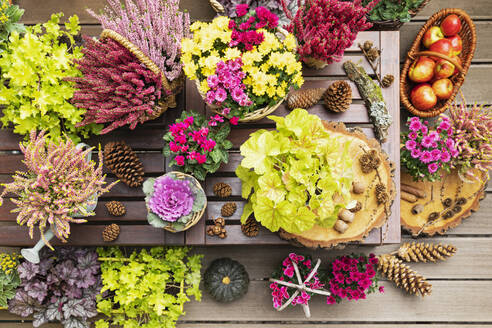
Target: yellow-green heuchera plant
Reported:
point(33, 89)
point(292, 176)
point(59, 182)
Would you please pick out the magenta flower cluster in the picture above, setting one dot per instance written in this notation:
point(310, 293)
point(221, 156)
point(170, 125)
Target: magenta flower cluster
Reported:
point(183, 135)
point(282, 293)
point(226, 86)
point(244, 29)
point(426, 150)
point(172, 199)
point(352, 277)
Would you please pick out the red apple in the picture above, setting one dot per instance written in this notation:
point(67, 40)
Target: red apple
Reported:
point(432, 35)
point(443, 88)
point(443, 69)
point(423, 97)
point(456, 43)
point(458, 59)
point(451, 25)
point(442, 46)
point(422, 70)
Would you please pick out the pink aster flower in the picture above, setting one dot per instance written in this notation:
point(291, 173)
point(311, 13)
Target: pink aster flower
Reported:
point(445, 156)
point(445, 125)
point(210, 97)
point(436, 154)
point(425, 157)
point(330, 300)
point(410, 144)
point(213, 81)
point(226, 111)
point(180, 160)
point(415, 153)
point(412, 135)
point(220, 95)
point(415, 126)
point(427, 141)
point(381, 289)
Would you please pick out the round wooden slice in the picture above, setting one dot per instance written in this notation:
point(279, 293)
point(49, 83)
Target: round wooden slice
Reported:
point(450, 187)
point(371, 215)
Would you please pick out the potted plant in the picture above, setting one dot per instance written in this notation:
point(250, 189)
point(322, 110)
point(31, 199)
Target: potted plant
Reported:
point(325, 28)
point(392, 14)
point(196, 145)
point(60, 186)
point(33, 86)
point(427, 150)
point(9, 16)
point(242, 69)
point(175, 201)
point(132, 73)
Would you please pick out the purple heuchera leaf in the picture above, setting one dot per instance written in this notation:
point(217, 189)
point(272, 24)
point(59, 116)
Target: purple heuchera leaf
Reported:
point(88, 263)
point(37, 290)
point(22, 304)
point(172, 199)
point(27, 270)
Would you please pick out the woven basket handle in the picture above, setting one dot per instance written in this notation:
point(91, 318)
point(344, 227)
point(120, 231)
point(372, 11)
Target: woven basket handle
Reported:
point(440, 55)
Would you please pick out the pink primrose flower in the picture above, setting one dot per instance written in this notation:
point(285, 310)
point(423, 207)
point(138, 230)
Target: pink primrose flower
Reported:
point(179, 160)
point(432, 167)
point(425, 157)
point(289, 271)
point(410, 144)
point(445, 156)
point(415, 126)
point(210, 97)
point(381, 289)
point(427, 141)
point(436, 154)
point(201, 158)
point(213, 81)
point(234, 120)
point(174, 147)
point(330, 300)
point(226, 111)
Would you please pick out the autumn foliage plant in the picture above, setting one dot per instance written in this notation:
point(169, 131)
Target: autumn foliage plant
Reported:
point(59, 182)
point(239, 64)
point(33, 86)
point(196, 145)
point(115, 89)
point(427, 149)
point(147, 289)
point(325, 28)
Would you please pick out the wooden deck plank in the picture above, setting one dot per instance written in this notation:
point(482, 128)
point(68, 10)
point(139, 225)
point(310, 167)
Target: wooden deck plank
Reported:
point(393, 305)
point(307, 325)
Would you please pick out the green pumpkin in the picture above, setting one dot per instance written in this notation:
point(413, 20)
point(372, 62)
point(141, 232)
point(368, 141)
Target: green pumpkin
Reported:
point(226, 280)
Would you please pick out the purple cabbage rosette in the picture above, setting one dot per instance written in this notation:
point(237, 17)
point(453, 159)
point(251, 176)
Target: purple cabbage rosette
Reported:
point(173, 200)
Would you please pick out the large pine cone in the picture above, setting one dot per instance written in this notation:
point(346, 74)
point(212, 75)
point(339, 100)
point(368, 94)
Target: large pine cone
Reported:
point(338, 97)
point(111, 232)
point(124, 163)
point(251, 228)
point(305, 98)
point(422, 252)
point(116, 208)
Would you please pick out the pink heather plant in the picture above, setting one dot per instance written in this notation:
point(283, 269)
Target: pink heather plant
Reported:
point(352, 277)
point(198, 146)
point(58, 182)
point(280, 293)
point(156, 27)
point(325, 28)
point(425, 152)
point(115, 88)
point(472, 133)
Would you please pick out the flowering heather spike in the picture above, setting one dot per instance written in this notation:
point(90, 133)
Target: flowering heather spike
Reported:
point(472, 133)
point(115, 88)
point(58, 181)
point(325, 28)
point(155, 26)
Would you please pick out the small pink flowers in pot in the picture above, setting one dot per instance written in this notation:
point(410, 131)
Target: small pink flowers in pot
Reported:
point(196, 145)
point(426, 150)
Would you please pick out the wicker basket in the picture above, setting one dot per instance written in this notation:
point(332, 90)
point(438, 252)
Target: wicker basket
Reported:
point(469, 37)
point(198, 215)
point(174, 87)
point(394, 25)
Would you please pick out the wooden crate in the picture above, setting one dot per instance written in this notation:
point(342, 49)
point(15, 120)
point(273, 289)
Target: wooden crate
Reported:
point(147, 141)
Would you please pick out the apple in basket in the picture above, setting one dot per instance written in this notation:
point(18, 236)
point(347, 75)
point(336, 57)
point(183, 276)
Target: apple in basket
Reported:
point(443, 88)
point(423, 97)
point(422, 70)
point(451, 25)
point(456, 43)
point(458, 59)
point(442, 46)
point(432, 35)
point(443, 69)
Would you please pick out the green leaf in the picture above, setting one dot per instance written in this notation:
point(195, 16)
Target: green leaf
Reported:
point(257, 151)
point(199, 202)
point(148, 186)
point(227, 144)
point(215, 154)
point(223, 132)
point(247, 211)
point(72, 25)
point(156, 221)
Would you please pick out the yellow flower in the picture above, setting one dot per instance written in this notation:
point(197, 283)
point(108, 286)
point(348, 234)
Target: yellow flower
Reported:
point(250, 57)
point(190, 70)
point(221, 22)
point(187, 45)
point(196, 26)
point(204, 86)
point(271, 91)
point(281, 91)
point(290, 42)
point(232, 53)
point(270, 42)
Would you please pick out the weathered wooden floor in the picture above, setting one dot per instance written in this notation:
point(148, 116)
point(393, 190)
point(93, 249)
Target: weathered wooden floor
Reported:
point(462, 286)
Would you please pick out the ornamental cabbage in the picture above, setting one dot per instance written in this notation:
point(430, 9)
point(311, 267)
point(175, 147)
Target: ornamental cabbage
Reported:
point(297, 176)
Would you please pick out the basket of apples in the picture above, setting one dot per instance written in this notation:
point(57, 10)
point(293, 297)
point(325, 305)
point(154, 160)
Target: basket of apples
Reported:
point(437, 62)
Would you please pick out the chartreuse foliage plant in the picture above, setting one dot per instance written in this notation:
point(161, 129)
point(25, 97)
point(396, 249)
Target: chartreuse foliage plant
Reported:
point(33, 89)
point(290, 176)
point(147, 289)
point(9, 16)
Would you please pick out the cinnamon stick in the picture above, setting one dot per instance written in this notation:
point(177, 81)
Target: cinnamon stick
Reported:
point(413, 190)
point(411, 198)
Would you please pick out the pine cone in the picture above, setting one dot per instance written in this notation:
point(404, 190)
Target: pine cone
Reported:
point(367, 45)
point(420, 252)
point(220, 222)
point(338, 96)
point(369, 161)
point(387, 80)
point(403, 276)
point(251, 228)
point(111, 232)
point(372, 54)
point(228, 209)
point(116, 208)
point(381, 194)
point(305, 98)
point(222, 189)
point(124, 163)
